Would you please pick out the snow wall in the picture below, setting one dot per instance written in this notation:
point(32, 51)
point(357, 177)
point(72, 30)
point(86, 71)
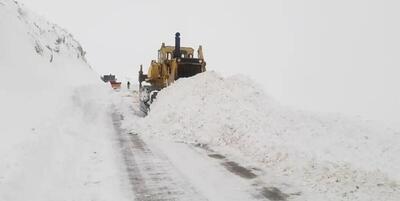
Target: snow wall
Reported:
point(236, 114)
point(55, 130)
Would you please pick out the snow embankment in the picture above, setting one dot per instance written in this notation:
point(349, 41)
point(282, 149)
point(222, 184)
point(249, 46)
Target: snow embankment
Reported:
point(328, 154)
point(56, 135)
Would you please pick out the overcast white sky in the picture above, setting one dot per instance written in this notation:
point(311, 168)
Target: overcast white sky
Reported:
point(332, 56)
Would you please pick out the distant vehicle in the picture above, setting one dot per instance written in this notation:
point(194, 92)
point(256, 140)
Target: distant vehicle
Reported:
point(173, 62)
point(108, 78)
point(112, 80)
point(115, 84)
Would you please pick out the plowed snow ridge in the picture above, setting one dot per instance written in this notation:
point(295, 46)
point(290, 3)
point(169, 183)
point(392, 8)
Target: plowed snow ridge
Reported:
point(235, 113)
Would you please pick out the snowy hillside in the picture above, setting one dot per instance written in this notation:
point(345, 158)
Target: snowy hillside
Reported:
point(329, 156)
point(55, 141)
point(27, 40)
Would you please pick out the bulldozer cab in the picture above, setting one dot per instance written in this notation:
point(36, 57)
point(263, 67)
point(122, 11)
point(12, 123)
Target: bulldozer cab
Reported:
point(166, 53)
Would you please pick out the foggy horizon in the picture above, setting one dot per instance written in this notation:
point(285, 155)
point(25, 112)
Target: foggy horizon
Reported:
point(336, 57)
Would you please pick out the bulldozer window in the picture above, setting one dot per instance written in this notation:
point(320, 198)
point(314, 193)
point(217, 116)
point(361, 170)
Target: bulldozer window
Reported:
point(169, 56)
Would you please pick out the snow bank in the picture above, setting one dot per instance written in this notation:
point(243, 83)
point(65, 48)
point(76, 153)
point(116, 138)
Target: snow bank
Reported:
point(56, 135)
point(329, 154)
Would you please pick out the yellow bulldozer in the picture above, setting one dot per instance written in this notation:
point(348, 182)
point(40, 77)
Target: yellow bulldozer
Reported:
point(173, 62)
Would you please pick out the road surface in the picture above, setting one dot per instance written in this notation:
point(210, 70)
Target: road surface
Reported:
point(172, 171)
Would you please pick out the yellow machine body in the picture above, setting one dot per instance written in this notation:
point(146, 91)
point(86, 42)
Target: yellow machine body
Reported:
point(173, 62)
point(167, 69)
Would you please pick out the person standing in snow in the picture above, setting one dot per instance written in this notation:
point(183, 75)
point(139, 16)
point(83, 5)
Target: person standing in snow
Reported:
point(128, 84)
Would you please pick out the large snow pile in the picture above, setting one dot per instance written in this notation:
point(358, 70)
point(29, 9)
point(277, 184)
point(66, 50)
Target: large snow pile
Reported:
point(56, 139)
point(335, 158)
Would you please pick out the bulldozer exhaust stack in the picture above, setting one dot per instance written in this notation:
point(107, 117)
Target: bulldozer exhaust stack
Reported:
point(177, 51)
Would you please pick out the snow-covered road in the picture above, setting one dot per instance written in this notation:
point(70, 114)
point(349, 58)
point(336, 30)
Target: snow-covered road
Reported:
point(172, 170)
point(151, 175)
point(214, 145)
point(161, 170)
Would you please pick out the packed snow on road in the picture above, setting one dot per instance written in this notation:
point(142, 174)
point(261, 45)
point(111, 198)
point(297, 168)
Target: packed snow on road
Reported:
point(66, 135)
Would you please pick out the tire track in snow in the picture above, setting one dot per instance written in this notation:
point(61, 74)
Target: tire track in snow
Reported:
point(265, 193)
point(153, 177)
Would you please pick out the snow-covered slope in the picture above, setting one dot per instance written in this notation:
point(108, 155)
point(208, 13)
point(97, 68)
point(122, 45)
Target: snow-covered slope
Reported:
point(331, 157)
point(56, 136)
point(27, 40)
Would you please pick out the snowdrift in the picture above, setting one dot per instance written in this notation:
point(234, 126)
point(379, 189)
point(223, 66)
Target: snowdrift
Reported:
point(315, 150)
point(55, 137)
